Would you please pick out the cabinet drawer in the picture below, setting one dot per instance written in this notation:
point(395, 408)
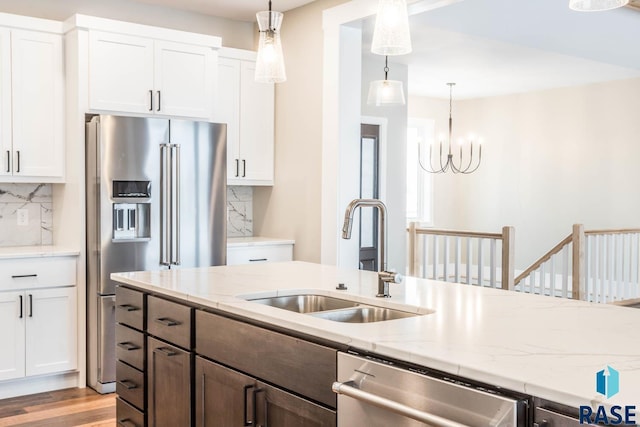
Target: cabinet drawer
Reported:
point(127, 415)
point(130, 307)
point(31, 273)
point(297, 365)
point(264, 253)
point(169, 321)
point(130, 346)
point(130, 384)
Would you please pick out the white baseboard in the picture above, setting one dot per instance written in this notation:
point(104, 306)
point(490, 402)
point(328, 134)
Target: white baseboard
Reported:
point(40, 384)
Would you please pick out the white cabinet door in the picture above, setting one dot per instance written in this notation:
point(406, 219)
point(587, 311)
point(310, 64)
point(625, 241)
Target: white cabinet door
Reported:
point(120, 73)
point(38, 104)
point(256, 126)
point(227, 110)
point(12, 319)
point(184, 79)
point(51, 330)
point(6, 149)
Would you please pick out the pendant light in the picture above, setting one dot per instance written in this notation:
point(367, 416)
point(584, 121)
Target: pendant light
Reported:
point(596, 5)
point(391, 34)
point(270, 61)
point(386, 92)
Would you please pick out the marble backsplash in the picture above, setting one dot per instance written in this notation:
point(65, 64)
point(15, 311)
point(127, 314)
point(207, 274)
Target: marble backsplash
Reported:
point(33, 203)
point(239, 211)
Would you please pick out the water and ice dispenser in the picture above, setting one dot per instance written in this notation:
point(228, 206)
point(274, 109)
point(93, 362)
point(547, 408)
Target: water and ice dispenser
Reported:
point(131, 219)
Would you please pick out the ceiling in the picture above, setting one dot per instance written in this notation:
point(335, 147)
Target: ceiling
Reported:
point(496, 47)
point(242, 10)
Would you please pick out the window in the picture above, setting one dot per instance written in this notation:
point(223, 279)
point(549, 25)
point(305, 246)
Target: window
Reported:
point(420, 134)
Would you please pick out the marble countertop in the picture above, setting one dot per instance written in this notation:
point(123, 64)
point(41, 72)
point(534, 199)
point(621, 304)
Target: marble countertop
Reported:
point(233, 242)
point(543, 346)
point(36, 251)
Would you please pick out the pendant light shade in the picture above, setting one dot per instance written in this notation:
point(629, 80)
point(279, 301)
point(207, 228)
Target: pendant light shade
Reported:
point(270, 60)
point(391, 34)
point(596, 5)
point(386, 92)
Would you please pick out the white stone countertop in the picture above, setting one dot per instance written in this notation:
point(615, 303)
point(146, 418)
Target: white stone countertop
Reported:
point(233, 242)
point(543, 346)
point(36, 251)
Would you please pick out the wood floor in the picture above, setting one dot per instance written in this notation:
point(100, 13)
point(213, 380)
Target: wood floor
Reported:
point(72, 407)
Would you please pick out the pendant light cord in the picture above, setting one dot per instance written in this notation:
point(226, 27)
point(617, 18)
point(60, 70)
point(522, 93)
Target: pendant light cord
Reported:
point(271, 29)
point(386, 67)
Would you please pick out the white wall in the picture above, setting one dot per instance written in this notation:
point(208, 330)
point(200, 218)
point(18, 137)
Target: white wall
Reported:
point(291, 208)
point(551, 159)
point(235, 34)
point(395, 198)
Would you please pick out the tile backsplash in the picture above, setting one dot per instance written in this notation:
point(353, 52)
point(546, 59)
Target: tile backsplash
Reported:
point(239, 211)
point(26, 214)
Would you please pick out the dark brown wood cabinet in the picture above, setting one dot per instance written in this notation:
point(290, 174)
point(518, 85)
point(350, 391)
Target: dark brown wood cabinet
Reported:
point(182, 366)
point(224, 397)
point(169, 385)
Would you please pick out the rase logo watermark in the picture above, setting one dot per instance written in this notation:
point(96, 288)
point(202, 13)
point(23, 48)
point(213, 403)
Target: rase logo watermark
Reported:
point(608, 385)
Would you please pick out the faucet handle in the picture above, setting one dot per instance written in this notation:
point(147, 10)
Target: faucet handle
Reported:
point(391, 277)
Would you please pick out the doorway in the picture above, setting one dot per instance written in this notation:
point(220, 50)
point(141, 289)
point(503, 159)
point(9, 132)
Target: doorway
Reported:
point(369, 189)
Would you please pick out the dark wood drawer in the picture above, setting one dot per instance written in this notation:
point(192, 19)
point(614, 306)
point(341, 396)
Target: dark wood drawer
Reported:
point(294, 364)
point(127, 415)
point(130, 307)
point(130, 346)
point(170, 321)
point(130, 384)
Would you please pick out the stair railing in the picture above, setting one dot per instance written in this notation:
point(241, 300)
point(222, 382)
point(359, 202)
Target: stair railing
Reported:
point(484, 259)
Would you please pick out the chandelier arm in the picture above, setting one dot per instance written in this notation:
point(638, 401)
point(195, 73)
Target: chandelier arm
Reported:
point(479, 161)
point(470, 158)
point(431, 169)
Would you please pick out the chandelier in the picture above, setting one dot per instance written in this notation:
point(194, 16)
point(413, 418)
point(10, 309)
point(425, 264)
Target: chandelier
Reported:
point(464, 164)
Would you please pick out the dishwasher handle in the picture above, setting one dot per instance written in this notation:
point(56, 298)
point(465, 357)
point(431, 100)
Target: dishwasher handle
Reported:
point(349, 389)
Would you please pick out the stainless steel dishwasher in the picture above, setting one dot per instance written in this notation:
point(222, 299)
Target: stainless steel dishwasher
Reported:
point(375, 393)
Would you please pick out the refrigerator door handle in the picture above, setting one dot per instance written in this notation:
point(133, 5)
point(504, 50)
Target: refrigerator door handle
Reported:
point(175, 208)
point(164, 205)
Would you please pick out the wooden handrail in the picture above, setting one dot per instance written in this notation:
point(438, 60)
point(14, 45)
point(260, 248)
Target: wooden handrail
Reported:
point(544, 258)
point(455, 233)
point(619, 231)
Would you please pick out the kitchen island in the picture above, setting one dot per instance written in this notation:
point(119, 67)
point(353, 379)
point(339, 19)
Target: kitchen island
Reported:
point(545, 347)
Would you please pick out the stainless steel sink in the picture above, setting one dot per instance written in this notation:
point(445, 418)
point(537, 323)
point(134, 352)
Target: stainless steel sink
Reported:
point(363, 314)
point(335, 309)
point(306, 303)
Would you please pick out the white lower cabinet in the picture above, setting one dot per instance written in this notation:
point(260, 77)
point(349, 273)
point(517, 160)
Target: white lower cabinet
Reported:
point(38, 333)
point(257, 254)
point(12, 335)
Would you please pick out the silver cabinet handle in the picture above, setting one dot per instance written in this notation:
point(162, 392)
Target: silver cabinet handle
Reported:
point(128, 384)
point(257, 259)
point(150, 100)
point(30, 305)
point(22, 276)
point(128, 346)
point(167, 321)
point(128, 307)
point(349, 389)
point(159, 101)
point(237, 168)
point(21, 314)
point(166, 351)
point(18, 156)
point(8, 161)
point(244, 168)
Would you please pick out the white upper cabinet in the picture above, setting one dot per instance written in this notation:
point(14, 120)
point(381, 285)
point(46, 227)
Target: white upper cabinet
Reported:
point(32, 107)
point(141, 75)
point(6, 146)
point(247, 108)
point(38, 104)
point(184, 79)
point(120, 72)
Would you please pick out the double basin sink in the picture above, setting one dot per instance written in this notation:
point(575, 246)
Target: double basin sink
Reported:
point(336, 309)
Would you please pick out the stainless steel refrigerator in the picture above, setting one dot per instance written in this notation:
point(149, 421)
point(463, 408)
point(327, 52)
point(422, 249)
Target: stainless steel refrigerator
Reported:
point(156, 199)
